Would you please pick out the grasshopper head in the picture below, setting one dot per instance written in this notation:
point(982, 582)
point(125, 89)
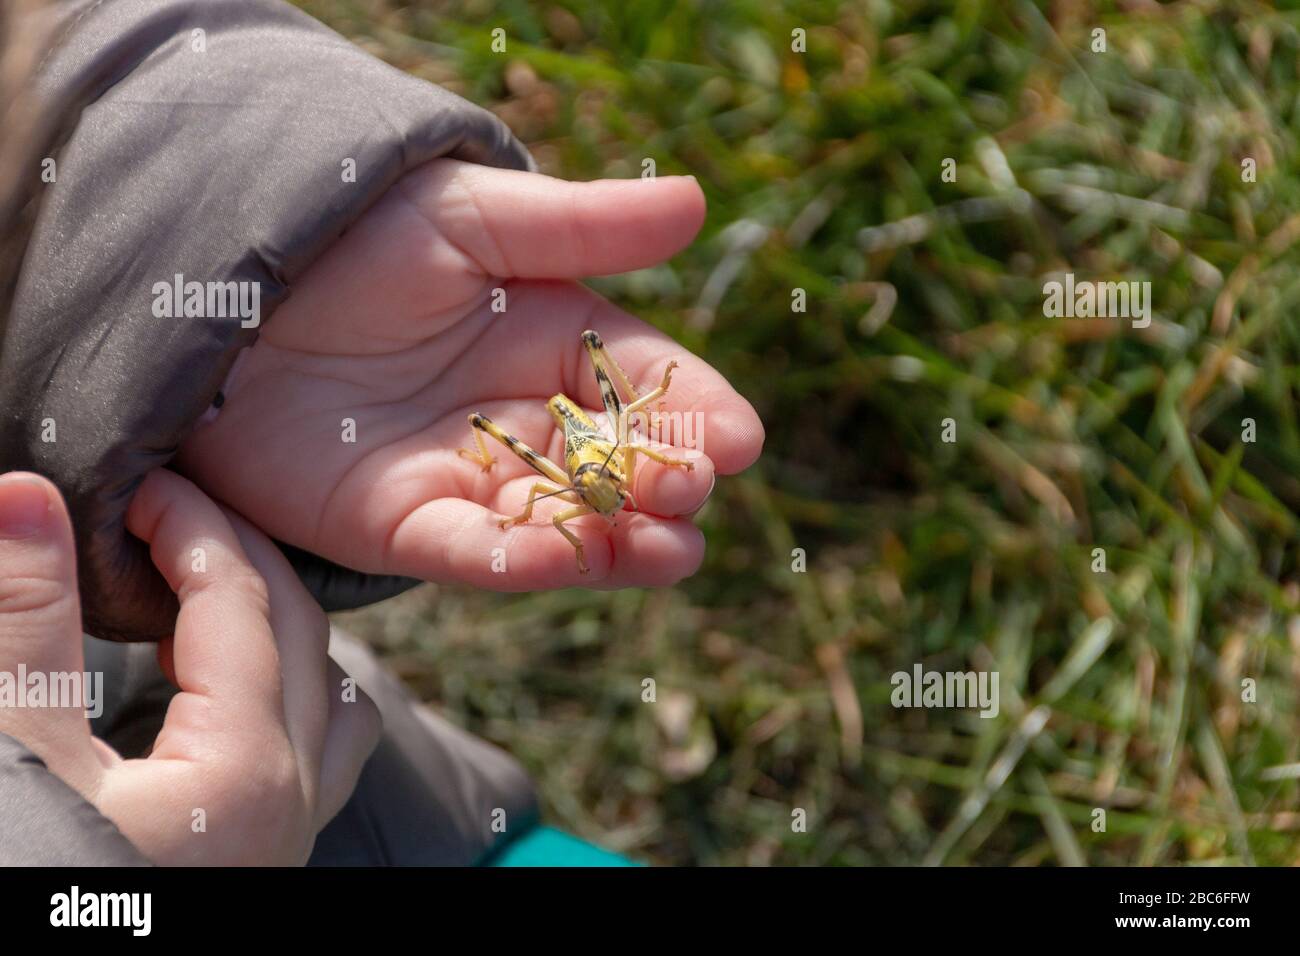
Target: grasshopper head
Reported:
point(600, 487)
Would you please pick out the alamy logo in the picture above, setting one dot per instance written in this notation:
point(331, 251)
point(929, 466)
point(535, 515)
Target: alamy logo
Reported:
point(681, 429)
point(75, 908)
point(208, 300)
point(1083, 299)
point(959, 689)
point(84, 689)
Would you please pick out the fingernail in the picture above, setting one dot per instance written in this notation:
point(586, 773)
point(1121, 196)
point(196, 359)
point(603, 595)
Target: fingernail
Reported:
point(24, 506)
point(713, 483)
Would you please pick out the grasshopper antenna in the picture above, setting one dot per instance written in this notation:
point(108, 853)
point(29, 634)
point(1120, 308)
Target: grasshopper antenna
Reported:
point(605, 464)
point(552, 494)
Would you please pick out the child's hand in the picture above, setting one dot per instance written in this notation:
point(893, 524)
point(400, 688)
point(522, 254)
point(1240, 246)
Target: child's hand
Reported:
point(394, 328)
point(258, 750)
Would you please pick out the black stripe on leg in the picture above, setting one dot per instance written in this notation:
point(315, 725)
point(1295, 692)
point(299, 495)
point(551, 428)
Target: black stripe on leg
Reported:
point(609, 398)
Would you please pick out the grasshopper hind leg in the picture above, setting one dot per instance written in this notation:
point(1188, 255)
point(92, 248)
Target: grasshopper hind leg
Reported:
point(539, 463)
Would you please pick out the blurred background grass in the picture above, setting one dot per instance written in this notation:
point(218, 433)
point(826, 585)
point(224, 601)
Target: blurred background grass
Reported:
point(1121, 690)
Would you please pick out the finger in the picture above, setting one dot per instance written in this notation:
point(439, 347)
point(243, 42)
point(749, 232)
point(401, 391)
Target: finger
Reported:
point(535, 349)
point(651, 552)
point(526, 225)
point(451, 539)
point(223, 655)
point(40, 612)
point(399, 508)
point(672, 491)
point(657, 489)
point(40, 629)
point(301, 633)
point(354, 729)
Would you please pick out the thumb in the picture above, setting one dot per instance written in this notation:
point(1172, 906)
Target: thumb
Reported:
point(530, 226)
point(42, 703)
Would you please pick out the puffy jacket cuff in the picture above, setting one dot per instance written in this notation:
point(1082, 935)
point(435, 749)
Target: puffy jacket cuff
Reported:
point(218, 140)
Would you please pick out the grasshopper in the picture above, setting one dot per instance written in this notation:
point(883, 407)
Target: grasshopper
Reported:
point(591, 479)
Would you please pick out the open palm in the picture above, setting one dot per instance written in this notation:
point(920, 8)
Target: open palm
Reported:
point(394, 329)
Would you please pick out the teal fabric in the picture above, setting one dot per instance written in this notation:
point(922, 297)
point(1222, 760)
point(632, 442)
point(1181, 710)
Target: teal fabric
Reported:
point(546, 846)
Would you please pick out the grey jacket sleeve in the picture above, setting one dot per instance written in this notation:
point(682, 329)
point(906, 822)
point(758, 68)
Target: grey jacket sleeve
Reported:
point(431, 794)
point(32, 798)
point(207, 139)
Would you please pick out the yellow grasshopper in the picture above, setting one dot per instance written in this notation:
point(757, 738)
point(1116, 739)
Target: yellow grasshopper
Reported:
point(590, 479)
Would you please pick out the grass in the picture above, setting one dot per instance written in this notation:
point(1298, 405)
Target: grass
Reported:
point(1121, 690)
